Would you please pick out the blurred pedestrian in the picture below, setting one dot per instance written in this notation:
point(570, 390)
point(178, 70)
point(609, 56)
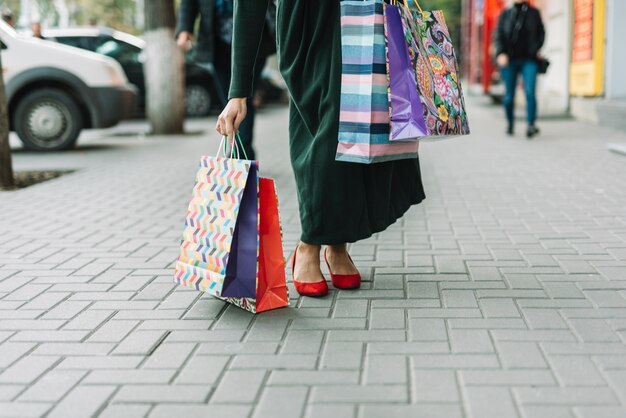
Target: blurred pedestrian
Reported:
point(7, 16)
point(339, 202)
point(35, 29)
point(213, 50)
point(520, 34)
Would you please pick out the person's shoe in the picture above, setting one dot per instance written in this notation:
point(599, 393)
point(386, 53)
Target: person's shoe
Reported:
point(315, 289)
point(509, 130)
point(532, 131)
point(344, 281)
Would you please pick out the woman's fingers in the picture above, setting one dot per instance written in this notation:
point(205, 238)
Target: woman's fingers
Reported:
point(230, 129)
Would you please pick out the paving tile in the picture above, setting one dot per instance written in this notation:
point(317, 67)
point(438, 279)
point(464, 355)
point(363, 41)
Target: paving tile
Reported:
point(387, 319)
point(163, 393)
point(600, 411)
point(417, 411)
point(125, 410)
point(360, 394)
point(491, 401)
point(313, 377)
point(547, 412)
point(28, 369)
point(11, 352)
point(563, 396)
point(434, 386)
point(23, 410)
point(9, 392)
point(52, 386)
point(202, 370)
point(576, 371)
point(239, 386)
point(516, 377)
point(303, 341)
point(459, 299)
point(330, 410)
point(113, 331)
point(121, 376)
point(386, 369)
point(100, 362)
point(281, 401)
point(515, 355)
point(499, 308)
point(83, 401)
point(166, 410)
point(140, 343)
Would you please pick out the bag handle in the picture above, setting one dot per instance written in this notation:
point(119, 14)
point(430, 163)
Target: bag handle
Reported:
point(406, 4)
point(234, 151)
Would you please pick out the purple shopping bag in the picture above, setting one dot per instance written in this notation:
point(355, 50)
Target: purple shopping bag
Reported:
point(405, 106)
point(241, 269)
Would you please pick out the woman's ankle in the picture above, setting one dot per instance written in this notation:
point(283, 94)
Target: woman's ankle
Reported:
point(304, 248)
point(338, 248)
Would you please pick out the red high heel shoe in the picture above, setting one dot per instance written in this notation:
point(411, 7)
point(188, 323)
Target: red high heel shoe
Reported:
point(316, 289)
point(344, 281)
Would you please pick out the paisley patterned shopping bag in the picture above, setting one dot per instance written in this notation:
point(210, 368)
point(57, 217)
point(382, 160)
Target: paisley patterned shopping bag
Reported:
point(232, 240)
point(436, 71)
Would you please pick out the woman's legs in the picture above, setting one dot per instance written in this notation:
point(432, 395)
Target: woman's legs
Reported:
point(307, 268)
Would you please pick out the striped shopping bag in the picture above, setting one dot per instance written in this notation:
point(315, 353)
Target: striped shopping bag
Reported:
point(364, 110)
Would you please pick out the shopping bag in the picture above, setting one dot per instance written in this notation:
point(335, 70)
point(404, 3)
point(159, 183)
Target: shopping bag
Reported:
point(405, 107)
point(436, 72)
point(364, 108)
point(232, 240)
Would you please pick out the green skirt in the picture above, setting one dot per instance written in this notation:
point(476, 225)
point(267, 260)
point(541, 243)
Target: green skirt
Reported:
point(339, 201)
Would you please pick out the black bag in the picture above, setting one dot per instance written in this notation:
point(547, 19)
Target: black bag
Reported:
point(542, 65)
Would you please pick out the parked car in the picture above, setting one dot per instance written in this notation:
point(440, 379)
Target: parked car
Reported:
point(200, 92)
point(54, 91)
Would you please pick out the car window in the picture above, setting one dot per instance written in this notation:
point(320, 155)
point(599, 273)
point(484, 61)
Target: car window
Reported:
point(124, 53)
point(82, 42)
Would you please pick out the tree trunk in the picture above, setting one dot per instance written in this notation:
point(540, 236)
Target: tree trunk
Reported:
point(164, 69)
point(6, 165)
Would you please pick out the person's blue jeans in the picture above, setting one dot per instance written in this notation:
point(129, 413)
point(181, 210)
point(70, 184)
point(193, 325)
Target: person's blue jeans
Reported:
point(510, 75)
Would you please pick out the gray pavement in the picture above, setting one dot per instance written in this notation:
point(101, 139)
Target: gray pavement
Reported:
point(502, 295)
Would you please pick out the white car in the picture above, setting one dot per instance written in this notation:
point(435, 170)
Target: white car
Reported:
point(54, 91)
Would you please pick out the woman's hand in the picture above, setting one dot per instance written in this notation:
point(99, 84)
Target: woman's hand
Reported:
point(231, 117)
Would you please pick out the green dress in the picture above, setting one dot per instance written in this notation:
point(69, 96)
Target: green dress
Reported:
point(339, 201)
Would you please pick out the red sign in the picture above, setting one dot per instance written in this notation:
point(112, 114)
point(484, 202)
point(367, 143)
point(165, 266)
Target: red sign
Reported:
point(583, 31)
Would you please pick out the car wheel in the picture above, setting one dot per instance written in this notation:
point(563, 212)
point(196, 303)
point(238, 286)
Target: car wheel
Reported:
point(197, 101)
point(48, 120)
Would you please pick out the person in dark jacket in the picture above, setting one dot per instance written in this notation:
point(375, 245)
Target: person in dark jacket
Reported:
point(214, 46)
point(520, 34)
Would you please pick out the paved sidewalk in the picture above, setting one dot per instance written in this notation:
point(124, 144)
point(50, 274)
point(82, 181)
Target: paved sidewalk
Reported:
point(502, 295)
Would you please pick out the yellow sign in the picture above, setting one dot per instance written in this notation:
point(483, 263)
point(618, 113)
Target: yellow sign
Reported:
point(587, 68)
